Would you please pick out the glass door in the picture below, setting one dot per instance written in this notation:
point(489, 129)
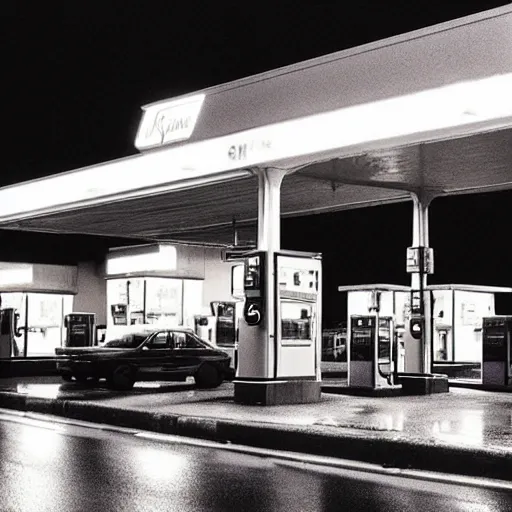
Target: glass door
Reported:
point(45, 324)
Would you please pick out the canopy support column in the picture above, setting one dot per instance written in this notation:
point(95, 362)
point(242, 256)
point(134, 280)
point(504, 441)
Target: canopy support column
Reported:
point(269, 209)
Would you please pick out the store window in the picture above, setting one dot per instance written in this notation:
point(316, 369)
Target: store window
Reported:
point(164, 300)
point(151, 300)
point(41, 322)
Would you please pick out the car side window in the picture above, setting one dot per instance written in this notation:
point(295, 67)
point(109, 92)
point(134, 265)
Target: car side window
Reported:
point(183, 340)
point(180, 340)
point(161, 340)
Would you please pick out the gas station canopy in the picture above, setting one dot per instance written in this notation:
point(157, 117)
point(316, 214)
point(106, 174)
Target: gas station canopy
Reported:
point(425, 112)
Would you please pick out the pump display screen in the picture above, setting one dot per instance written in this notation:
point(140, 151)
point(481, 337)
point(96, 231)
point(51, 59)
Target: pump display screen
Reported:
point(253, 274)
point(361, 339)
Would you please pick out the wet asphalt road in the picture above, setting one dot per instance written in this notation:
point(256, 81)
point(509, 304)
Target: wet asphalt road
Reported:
point(57, 467)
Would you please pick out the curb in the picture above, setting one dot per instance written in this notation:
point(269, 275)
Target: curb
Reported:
point(324, 441)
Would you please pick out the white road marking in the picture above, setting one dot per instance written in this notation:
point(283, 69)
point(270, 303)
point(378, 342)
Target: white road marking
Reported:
point(31, 422)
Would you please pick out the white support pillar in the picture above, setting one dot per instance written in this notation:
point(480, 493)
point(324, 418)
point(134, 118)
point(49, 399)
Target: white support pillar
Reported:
point(269, 209)
point(269, 239)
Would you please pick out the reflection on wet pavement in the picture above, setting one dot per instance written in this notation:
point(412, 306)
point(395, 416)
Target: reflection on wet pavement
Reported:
point(459, 422)
point(74, 390)
point(381, 422)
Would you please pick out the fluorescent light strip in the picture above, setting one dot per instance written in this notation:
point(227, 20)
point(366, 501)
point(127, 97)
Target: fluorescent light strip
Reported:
point(164, 260)
point(17, 276)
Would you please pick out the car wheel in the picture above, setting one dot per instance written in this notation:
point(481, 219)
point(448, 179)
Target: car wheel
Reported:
point(122, 378)
point(67, 378)
point(208, 377)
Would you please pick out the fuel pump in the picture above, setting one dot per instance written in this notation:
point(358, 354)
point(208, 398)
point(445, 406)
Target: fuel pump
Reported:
point(119, 314)
point(279, 347)
point(226, 325)
point(497, 351)
point(420, 262)
point(373, 352)
point(414, 334)
point(80, 329)
point(253, 347)
point(205, 327)
point(9, 331)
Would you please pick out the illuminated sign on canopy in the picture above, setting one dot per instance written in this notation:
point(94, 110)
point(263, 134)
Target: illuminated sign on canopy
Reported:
point(169, 121)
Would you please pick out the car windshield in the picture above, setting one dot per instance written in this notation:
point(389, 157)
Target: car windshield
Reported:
point(209, 344)
point(127, 341)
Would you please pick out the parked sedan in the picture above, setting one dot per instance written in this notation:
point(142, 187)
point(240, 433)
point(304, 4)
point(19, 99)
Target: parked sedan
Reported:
point(163, 354)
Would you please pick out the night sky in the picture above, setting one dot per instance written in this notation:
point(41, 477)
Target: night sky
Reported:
point(74, 75)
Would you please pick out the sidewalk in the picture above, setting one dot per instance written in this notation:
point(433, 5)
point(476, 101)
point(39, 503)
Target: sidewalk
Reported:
point(465, 431)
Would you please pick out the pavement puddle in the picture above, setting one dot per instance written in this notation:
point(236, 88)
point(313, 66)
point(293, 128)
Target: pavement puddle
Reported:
point(328, 422)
